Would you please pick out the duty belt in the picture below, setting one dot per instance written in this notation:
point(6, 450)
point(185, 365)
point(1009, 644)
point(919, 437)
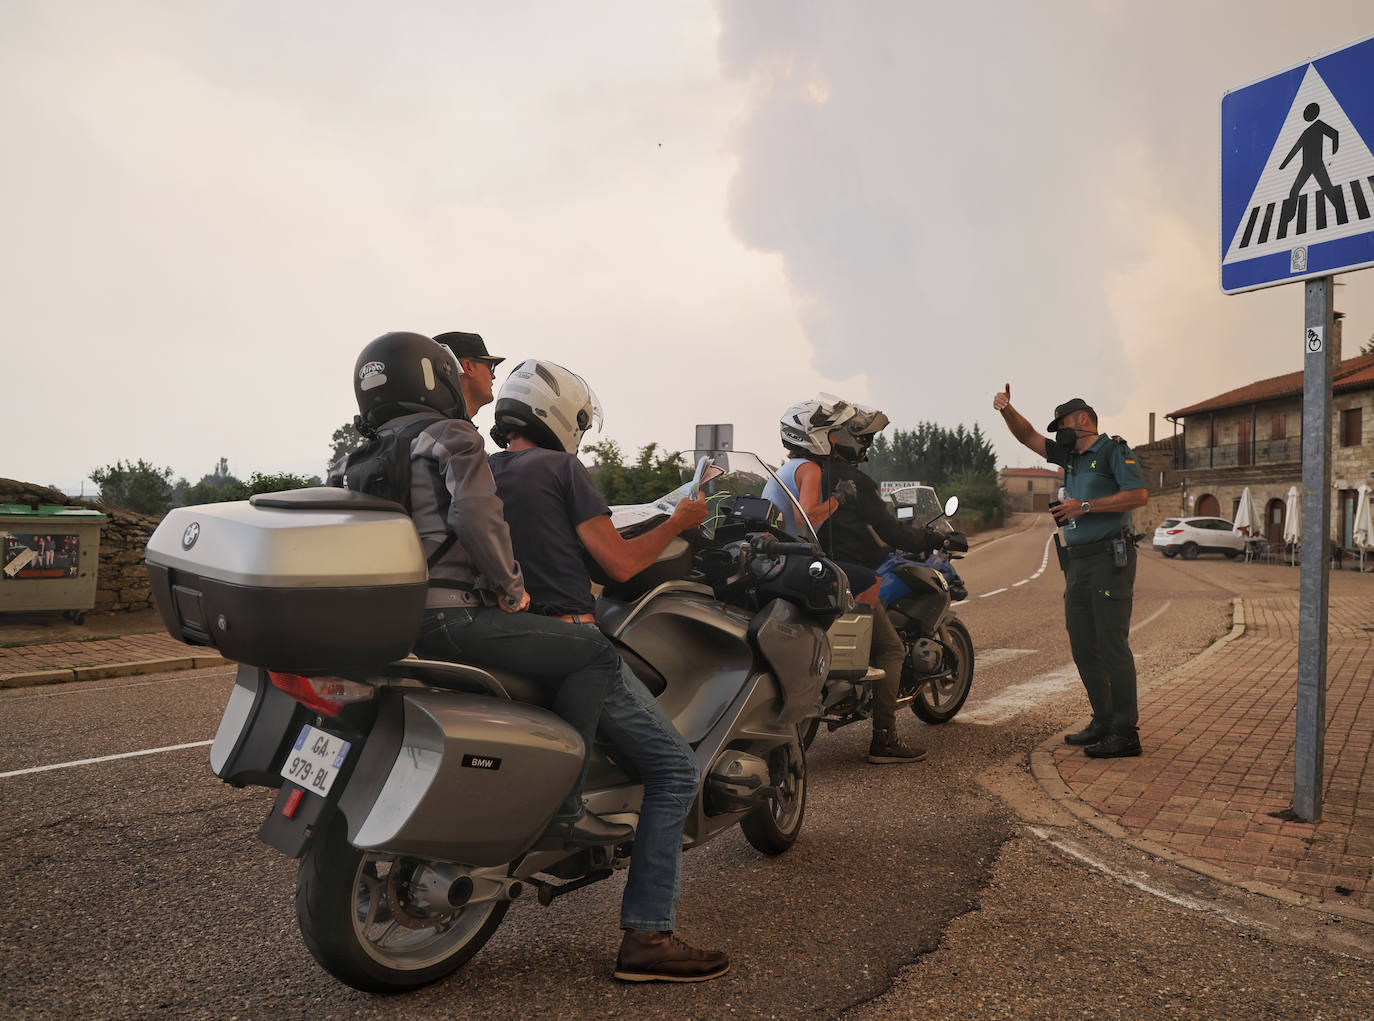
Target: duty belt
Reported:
point(1092, 549)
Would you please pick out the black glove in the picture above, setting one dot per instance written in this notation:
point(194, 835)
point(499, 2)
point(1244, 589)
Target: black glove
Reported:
point(845, 490)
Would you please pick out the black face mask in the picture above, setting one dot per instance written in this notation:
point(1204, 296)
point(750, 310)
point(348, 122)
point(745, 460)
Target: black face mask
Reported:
point(1066, 437)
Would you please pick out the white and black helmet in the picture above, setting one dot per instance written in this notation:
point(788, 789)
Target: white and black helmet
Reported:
point(859, 430)
point(805, 427)
point(548, 405)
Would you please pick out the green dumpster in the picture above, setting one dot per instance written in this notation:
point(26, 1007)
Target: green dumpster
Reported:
point(48, 558)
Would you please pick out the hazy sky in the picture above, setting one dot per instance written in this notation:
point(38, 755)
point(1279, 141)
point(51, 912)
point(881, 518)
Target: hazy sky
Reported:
point(709, 210)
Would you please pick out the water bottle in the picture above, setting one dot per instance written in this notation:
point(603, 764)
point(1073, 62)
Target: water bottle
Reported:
point(1072, 522)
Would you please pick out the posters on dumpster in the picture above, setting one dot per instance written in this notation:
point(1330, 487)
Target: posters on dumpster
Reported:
point(28, 555)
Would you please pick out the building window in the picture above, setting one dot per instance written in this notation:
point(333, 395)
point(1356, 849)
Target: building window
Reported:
point(1030, 485)
point(1214, 435)
point(1352, 427)
point(1278, 427)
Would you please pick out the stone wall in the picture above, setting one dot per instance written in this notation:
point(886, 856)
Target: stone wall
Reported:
point(121, 583)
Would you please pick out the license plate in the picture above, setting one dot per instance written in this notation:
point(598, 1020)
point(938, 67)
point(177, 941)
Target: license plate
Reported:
point(315, 760)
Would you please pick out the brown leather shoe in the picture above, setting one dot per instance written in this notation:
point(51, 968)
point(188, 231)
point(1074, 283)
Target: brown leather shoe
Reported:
point(662, 957)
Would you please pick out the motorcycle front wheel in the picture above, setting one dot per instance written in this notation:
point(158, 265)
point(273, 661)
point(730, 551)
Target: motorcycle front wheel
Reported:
point(773, 827)
point(351, 908)
point(938, 701)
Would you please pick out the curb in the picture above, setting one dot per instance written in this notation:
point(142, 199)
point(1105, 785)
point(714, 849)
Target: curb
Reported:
point(1047, 776)
point(105, 670)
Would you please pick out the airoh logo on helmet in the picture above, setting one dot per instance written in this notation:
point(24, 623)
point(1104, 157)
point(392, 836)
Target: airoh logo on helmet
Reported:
point(371, 369)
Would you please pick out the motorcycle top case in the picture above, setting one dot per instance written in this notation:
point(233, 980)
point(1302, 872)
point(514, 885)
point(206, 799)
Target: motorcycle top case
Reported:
point(316, 580)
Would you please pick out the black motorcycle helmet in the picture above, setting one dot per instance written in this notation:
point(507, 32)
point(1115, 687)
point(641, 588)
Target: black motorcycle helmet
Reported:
point(402, 373)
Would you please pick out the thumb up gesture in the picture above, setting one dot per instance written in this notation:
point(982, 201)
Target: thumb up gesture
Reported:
point(1002, 401)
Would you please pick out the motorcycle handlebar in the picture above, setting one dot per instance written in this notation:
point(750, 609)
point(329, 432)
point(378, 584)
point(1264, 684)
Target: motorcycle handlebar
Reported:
point(776, 547)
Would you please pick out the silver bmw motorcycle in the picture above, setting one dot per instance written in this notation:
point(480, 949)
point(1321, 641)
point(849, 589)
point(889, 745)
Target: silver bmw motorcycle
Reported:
point(413, 791)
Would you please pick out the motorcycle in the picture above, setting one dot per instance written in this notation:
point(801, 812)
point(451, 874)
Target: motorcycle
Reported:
point(937, 671)
point(414, 792)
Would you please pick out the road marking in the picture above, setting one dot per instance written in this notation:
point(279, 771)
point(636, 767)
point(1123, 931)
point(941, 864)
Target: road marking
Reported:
point(1139, 881)
point(992, 657)
point(1016, 699)
point(105, 758)
point(1044, 561)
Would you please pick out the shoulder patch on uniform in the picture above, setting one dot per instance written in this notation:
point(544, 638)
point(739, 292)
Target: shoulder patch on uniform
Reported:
point(1130, 460)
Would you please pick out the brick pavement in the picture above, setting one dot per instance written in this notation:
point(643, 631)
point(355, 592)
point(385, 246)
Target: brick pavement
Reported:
point(116, 655)
point(1215, 784)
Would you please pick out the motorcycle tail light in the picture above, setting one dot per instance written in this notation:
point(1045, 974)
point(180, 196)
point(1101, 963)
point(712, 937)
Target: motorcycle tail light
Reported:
point(1173, 531)
point(326, 695)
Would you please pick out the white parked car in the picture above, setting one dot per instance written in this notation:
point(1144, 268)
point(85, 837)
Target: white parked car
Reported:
point(1191, 536)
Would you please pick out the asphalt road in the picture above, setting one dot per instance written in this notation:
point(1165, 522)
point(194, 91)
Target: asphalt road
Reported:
point(138, 888)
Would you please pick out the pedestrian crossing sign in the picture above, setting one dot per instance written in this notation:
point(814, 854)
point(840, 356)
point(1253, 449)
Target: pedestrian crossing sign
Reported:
point(1297, 172)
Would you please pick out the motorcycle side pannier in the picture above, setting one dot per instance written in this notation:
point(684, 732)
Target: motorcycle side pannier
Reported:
point(309, 581)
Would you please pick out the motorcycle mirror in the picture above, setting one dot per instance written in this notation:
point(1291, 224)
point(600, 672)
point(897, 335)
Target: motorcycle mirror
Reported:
point(951, 506)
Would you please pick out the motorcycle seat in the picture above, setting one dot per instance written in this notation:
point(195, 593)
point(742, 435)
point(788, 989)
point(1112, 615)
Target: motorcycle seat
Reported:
point(463, 677)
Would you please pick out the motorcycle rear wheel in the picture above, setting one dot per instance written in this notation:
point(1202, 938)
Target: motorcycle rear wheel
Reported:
point(349, 928)
point(940, 701)
point(774, 827)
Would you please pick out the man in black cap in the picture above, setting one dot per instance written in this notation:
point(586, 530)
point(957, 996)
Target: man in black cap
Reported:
point(479, 368)
point(1104, 484)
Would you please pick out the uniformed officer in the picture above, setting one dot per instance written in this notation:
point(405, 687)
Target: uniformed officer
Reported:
point(1104, 484)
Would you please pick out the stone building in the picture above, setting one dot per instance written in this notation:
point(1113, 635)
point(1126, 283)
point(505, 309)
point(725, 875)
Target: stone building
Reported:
point(1252, 436)
point(1030, 489)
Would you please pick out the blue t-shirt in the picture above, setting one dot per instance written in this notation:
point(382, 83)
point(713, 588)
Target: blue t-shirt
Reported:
point(1105, 468)
point(546, 495)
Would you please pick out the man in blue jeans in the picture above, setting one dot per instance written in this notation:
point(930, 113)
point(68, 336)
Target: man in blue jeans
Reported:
point(555, 513)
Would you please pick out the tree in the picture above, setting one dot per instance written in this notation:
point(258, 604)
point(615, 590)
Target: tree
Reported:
point(135, 486)
point(958, 461)
point(346, 439)
point(216, 487)
point(649, 477)
point(1367, 348)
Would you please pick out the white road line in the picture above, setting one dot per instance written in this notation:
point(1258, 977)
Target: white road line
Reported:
point(105, 758)
point(1140, 882)
point(1044, 560)
point(991, 657)
point(1016, 699)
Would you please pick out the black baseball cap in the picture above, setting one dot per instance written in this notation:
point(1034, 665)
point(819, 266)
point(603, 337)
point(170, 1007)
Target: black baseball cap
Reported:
point(469, 345)
point(1067, 408)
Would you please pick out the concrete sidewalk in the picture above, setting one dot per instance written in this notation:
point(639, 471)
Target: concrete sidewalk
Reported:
point(1214, 789)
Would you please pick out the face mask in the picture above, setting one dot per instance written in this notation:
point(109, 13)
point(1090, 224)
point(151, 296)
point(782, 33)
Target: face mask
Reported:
point(1066, 437)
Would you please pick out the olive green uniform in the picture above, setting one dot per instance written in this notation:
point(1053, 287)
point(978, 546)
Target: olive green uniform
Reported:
point(1098, 594)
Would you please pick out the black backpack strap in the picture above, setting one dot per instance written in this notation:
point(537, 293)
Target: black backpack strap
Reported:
point(410, 432)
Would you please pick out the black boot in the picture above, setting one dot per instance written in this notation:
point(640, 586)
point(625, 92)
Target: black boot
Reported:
point(1090, 734)
point(1115, 746)
point(587, 830)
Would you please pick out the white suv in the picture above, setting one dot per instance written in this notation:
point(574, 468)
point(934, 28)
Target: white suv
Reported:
point(1191, 536)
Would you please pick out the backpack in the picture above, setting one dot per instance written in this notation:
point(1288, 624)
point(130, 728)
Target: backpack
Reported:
point(381, 468)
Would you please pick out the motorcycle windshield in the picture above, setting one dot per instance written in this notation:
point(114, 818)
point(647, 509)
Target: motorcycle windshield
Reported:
point(926, 504)
point(723, 474)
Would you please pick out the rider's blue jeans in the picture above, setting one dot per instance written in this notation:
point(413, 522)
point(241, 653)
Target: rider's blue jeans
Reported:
point(633, 722)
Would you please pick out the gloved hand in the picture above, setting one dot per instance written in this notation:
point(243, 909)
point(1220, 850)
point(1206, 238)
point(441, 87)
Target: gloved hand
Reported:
point(846, 490)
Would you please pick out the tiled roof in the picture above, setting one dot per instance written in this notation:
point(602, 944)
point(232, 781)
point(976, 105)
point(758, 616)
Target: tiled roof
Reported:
point(1351, 374)
point(1031, 473)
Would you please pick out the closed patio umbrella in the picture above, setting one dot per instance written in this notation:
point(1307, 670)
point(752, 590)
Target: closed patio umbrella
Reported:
point(1292, 520)
point(1364, 522)
point(1247, 518)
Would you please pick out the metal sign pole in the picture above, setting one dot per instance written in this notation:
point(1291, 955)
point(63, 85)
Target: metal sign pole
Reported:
point(1315, 579)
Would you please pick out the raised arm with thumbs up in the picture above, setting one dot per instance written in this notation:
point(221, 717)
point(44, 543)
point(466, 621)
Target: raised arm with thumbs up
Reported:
point(1020, 428)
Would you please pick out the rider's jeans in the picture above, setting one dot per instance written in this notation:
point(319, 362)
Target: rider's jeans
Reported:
point(887, 654)
point(579, 663)
point(632, 720)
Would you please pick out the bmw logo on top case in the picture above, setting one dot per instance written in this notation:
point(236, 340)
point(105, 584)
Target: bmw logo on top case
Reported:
point(189, 537)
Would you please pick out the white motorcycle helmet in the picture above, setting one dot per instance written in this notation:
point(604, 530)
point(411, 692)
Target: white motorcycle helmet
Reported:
point(548, 405)
point(859, 430)
point(805, 427)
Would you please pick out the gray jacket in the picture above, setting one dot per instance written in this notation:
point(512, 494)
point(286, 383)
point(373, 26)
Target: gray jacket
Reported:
point(448, 465)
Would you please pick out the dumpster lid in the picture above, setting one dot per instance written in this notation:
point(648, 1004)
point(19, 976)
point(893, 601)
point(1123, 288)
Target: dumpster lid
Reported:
point(48, 510)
